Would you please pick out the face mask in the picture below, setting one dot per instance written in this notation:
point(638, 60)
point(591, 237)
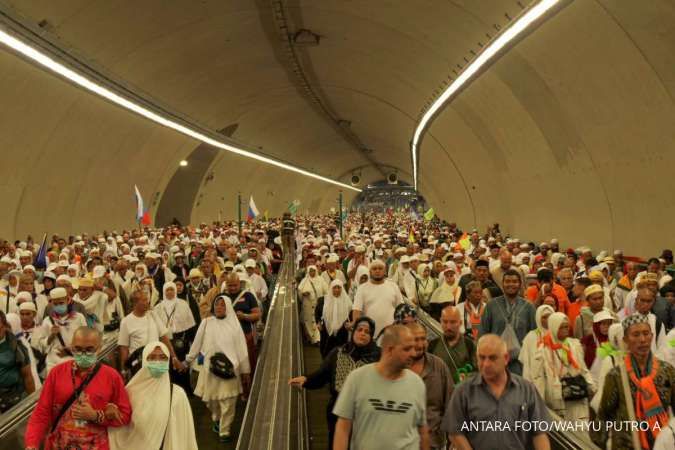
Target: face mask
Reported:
point(157, 368)
point(60, 309)
point(84, 360)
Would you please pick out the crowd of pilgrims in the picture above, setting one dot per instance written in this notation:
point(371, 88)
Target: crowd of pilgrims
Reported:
point(186, 300)
point(179, 300)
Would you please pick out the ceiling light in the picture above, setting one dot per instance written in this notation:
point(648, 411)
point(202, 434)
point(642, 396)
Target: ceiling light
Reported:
point(51, 64)
point(183, 163)
point(516, 29)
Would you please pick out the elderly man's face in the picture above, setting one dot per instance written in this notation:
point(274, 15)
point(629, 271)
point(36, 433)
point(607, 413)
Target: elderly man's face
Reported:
point(492, 360)
point(644, 301)
point(638, 339)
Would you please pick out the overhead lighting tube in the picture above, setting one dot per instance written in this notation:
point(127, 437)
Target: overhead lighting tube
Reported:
point(517, 28)
point(49, 63)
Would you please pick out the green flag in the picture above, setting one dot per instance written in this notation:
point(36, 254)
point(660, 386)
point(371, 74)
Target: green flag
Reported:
point(429, 215)
point(293, 207)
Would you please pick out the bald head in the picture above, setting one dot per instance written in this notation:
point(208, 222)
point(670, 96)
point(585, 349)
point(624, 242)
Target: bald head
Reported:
point(416, 327)
point(398, 347)
point(451, 323)
point(86, 339)
point(492, 342)
point(393, 335)
point(493, 356)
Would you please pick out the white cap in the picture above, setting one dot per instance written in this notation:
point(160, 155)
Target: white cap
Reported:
point(64, 277)
point(98, 272)
point(29, 267)
point(27, 306)
point(249, 263)
point(58, 292)
point(602, 315)
point(405, 259)
point(25, 296)
point(450, 266)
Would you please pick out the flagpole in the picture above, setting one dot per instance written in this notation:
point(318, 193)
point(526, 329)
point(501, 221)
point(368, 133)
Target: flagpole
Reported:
point(340, 200)
point(239, 211)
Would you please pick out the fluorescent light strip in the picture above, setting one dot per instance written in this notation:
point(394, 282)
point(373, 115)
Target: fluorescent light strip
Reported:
point(483, 58)
point(47, 62)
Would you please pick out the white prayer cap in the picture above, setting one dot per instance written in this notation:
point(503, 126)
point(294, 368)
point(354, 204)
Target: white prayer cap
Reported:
point(360, 248)
point(333, 258)
point(58, 293)
point(405, 259)
point(249, 263)
point(24, 297)
point(27, 306)
point(602, 315)
point(49, 274)
point(98, 272)
point(458, 255)
point(29, 267)
point(450, 266)
point(64, 277)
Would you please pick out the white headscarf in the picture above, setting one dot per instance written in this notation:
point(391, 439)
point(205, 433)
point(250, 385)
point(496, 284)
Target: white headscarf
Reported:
point(543, 309)
point(336, 309)
point(555, 320)
point(153, 418)
point(174, 313)
point(223, 336)
point(361, 271)
point(315, 286)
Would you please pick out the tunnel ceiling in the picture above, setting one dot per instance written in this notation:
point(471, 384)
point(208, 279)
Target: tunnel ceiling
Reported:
point(573, 126)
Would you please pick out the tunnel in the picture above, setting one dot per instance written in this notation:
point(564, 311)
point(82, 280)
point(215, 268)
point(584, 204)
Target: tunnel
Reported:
point(567, 131)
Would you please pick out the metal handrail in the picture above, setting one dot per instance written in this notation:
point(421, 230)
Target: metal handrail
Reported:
point(569, 440)
point(19, 413)
point(275, 416)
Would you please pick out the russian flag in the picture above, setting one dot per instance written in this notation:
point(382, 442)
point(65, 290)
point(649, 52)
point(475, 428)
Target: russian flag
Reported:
point(252, 210)
point(142, 216)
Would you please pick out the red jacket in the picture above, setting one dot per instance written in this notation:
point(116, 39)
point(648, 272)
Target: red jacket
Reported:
point(106, 387)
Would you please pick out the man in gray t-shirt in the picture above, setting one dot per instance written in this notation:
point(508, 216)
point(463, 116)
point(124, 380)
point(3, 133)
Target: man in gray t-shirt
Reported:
point(383, 404)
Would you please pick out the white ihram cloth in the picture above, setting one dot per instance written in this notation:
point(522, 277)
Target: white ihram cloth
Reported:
point(220, 336)
point(158, 413)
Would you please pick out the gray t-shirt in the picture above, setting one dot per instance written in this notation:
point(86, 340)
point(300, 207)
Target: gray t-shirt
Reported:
point(385, 414)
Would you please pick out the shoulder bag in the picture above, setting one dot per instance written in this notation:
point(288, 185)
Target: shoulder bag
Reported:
point(76, 393)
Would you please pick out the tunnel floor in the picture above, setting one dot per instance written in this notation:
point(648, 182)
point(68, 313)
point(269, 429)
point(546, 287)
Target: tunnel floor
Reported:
point(206, 438)
point(316, 402)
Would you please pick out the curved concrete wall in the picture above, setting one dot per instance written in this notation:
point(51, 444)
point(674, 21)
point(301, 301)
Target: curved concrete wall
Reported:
point(570, 135)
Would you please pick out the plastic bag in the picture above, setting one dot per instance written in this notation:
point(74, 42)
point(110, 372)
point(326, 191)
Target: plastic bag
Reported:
point(511, 340)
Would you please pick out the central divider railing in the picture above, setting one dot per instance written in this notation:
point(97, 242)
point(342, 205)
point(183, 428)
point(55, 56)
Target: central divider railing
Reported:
point(275, 416)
